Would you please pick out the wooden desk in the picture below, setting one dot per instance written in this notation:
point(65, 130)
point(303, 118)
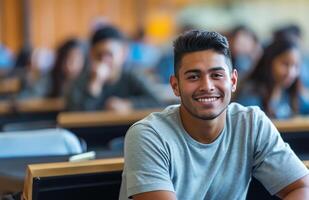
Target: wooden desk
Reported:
point(40, 105)
point(9, 86)
point(12, 170)
point(30, 110)
point(99, 128)
point(306, 162)
point(104, 118)
point(6, 107)
point(37, 105)
point(256, 190)
point(110, 123)
point(295, 132)
point(100, 118)
point(297, 124)
point(69, 168)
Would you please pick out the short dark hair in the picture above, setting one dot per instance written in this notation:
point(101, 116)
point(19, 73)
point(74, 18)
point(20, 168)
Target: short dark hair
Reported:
point(199, 40)
point(106, 33)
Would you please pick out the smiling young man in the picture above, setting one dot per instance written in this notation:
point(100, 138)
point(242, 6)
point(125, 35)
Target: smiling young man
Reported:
point(207, 148)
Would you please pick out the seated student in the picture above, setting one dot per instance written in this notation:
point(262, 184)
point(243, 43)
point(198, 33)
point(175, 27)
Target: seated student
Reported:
point(6, 58)
point(294, 32)
point(207, 148)
point(107, 86)
point(142, 54)
point(274, 83)
point(245, 49)
point(34, 76)
point(69, 62)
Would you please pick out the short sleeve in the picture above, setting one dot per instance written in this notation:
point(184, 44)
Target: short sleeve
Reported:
point(275, 164)
point(146, 161)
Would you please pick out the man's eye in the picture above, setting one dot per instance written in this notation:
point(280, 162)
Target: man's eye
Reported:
point(193, 77)
point(217, 75)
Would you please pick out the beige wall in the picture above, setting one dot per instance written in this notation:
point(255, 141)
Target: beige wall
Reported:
point(10, 23)
point(51, 21)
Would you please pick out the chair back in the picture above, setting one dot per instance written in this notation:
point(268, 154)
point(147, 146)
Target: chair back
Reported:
point(96, 179)
point(43, 142)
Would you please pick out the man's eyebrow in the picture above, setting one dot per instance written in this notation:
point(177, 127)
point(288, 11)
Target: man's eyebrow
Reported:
point(217, 69)
point(193, 71)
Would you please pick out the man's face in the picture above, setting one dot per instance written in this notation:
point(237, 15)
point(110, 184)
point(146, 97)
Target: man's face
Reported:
point(204, 84)
point(111, 53)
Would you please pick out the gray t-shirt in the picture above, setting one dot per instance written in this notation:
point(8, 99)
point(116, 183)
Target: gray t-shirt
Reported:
point(161, 155)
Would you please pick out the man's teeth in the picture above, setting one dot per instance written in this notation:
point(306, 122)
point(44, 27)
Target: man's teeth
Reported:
point(207, 99)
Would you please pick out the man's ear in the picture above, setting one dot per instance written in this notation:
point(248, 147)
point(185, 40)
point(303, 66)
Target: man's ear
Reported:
point(175, 86)
point(234, 78)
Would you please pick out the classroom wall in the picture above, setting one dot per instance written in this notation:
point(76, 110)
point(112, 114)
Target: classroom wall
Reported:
point(11, 23)
point(51, 21)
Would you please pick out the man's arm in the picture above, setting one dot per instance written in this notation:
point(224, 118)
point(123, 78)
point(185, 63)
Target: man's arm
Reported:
point(298, 190)
point(158, 195)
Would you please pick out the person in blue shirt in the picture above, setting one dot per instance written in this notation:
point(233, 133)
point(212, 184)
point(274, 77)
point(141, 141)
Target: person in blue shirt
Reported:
point(6, 57)
point(274, 84)
point(207, 147)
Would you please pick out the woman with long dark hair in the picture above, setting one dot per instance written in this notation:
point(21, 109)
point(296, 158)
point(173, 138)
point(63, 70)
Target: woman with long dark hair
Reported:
point(274, 83)
point(69, 63)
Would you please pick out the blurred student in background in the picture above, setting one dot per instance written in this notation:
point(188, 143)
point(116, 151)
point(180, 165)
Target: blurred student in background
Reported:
point(6, 58)
point(164, 69)
point(106, 85)
point(34, 76)
point(245, 49)
point(294, 32)
point(274, 83)
point(69, 63)
point(142, 54)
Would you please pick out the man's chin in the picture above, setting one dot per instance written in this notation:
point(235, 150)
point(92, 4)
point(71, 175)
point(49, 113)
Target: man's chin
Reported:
point(208, 116)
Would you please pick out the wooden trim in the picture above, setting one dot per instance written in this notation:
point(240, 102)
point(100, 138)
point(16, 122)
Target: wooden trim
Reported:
point(10, 86)
point(68, 168)
point(102, 118)
point(5, 107)
point(297, 124)
point(306, 162)
point(41, 105)
point(106, 118)
point(32, 106)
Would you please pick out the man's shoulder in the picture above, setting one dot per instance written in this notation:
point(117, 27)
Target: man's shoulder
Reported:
point(237, 110)
point(158, 121)
point(161, 116)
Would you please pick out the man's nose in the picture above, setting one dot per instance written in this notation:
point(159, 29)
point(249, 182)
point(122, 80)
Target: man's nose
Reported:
point(206, 84)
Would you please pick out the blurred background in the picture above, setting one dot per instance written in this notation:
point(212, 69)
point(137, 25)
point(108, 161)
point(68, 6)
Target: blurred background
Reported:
point(46, 23)
point(35, 34)
point(62, 56)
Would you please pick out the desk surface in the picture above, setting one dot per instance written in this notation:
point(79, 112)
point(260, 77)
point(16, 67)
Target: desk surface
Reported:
point(100, 118)
point(32, 106)
point(297, 124)
point(106, 118)
point(12, 170)
point(10, 86)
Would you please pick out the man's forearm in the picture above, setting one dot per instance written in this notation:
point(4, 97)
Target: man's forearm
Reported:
point(298, 194)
